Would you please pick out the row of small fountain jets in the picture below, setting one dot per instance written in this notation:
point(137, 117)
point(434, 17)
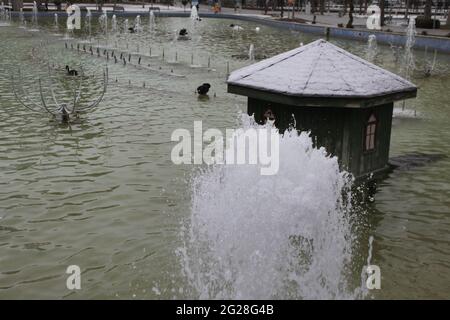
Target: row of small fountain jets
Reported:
point(408, 65)
point(136, 27)
point(5, 18)
point(64, 111)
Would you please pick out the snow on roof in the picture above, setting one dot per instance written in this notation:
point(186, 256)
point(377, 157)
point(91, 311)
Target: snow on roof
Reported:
point(320, 69)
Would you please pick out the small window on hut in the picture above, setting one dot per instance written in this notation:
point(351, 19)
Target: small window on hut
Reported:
point(370, 133)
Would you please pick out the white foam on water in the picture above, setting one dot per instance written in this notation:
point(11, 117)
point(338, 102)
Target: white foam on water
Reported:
point(285, 236)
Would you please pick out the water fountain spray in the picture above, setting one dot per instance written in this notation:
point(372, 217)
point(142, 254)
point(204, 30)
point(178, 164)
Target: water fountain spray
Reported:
point(56, 24)
point(194, 14)
point(125, 26)
point(408, 58)
point(103, 21)
point(2, 11)
point(429, 64)
point(21, 19)
point(35, 17)
point(371, 48)
point(251, 249)
point(137, 24)
point(251, 52)
point(114, 24)
point(5, 16)
point(409, 64)
point(151, 21)
point(88, 23)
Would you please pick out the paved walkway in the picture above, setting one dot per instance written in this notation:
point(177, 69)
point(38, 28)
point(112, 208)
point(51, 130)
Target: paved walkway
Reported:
point(327, 19)
point(332, 20)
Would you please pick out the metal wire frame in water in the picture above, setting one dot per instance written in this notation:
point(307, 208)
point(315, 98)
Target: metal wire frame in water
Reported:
point(63, 111)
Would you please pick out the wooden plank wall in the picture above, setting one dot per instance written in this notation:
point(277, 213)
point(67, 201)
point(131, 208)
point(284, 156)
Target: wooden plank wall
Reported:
point(339, 130)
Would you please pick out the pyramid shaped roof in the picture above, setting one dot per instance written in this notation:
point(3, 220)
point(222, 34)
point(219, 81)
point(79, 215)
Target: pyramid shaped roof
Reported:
point(321, 70)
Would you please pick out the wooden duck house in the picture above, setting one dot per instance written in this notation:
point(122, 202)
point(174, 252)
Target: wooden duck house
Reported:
point(345, 101)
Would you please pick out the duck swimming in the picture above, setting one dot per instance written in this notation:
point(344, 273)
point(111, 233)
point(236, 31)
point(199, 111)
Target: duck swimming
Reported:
point(183, 34)
point(203, 89)
point(236, 27)
point(72, 72)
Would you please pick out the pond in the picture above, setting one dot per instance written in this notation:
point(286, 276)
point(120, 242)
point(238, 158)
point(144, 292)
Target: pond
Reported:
point(104, 194)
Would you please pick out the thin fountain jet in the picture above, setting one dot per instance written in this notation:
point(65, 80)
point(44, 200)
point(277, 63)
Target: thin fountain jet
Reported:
point(114, 24)
point(56, 24)
point(194, 14)
point(137, 24)
point(5, 16)
point(429, 66)
point(251, 52)
point(125, 26)
point(34, 19)
point(151, 21)
point(22, 22)
point(88, 24)
point(409, 64)
point(372, 48)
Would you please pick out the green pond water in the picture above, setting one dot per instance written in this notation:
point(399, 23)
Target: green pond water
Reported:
point(104, 194)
